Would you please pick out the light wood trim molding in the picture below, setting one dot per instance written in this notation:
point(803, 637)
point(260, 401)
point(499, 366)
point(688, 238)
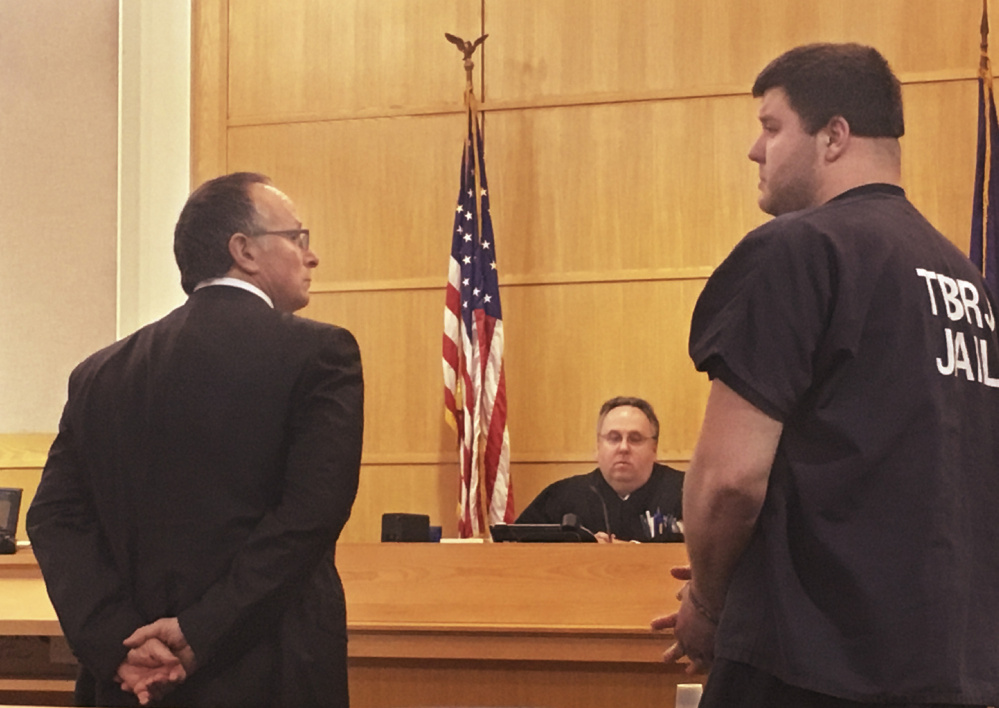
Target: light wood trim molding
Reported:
point(575, 278)
point(30, 450)
point(619, 645)
point(248, 121)
point(558, 101)
point(526, 458)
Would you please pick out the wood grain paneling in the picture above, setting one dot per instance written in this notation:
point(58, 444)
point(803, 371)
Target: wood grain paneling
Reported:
point(478, 683)
point(430, 489)
point(404, 413)
point(309, 59)
point(579, 586)
point(610, 339)
point(592, 50)
point(378, 194)
point(660, 185)
point(616, 137)
point(621, 186)
point(938, 154)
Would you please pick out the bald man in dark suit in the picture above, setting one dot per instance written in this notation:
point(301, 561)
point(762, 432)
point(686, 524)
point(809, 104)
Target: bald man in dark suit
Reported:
point(187, 516)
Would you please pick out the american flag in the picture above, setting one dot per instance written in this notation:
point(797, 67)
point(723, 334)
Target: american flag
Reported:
point(986, 203)
point(474, 379)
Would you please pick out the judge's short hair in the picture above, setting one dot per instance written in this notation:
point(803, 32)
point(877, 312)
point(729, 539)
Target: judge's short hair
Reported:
point(214, 212)
point(823, 81)
point(639, 403)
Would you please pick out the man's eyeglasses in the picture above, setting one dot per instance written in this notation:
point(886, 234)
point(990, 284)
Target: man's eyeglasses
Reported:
point(299, 237)
point(616, 438)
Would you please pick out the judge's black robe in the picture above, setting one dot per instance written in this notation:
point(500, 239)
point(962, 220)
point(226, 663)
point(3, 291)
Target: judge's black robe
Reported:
point(587, 495)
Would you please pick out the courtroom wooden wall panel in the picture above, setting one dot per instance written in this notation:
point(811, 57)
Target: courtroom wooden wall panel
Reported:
point(658, 185)
point(571, 347)
point(567, 49)
point(378, 194)
point(301, 59)
point(616, 137)
point(612, 339)
point(938, 154)
point(404, 384)
point(597, 189)
point(410, 488)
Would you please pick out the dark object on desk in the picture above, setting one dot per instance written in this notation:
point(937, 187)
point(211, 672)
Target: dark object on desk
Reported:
point(569, 531)
point(10, 509)
point(408, 528)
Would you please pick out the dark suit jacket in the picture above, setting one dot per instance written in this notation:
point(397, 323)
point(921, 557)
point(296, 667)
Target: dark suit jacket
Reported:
point(204, 468)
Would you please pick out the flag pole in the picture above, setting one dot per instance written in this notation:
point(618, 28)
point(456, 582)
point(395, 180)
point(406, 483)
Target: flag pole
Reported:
point(983, 248)
point(985, 72)
point(467, 49)
point(985, 33)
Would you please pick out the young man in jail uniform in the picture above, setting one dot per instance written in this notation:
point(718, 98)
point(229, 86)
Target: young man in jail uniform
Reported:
point(841, 504)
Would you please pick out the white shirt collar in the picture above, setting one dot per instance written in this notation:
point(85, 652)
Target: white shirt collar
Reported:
point(236, 283)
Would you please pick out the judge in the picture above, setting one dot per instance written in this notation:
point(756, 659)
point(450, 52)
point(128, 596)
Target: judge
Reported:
point(629, 497)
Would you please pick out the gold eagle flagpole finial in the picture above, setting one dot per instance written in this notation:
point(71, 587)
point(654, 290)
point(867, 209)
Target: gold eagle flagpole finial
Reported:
point(467, 49)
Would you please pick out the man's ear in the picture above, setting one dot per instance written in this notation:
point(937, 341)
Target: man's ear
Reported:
point(244, 252)
point(836, 135)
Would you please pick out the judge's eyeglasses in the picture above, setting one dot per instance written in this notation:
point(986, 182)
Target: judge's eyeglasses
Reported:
point(633, 438)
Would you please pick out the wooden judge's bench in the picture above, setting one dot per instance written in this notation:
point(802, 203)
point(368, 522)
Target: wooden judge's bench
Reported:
point(553, 625)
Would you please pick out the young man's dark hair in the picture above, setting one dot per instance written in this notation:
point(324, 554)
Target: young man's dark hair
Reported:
point(214, 212)
point(827, 80)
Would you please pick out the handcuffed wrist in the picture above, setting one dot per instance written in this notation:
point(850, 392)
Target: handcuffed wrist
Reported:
point(701, 608)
